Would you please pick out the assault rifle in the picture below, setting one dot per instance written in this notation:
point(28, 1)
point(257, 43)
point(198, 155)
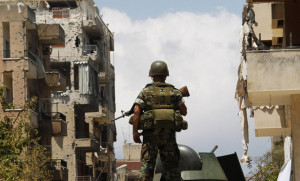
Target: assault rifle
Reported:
point(185, 93)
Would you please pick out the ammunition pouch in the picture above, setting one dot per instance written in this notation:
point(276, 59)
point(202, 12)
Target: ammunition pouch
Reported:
point(161, 118)
point(145, 122)
point(180, 124)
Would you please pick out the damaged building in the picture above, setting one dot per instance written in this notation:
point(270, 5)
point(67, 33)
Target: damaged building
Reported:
point(128, 169)
point(60, 52)
point(268, 82)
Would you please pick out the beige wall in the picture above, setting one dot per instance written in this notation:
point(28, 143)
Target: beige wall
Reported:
point(272, 76)
point(132, 152)
point(263, 17)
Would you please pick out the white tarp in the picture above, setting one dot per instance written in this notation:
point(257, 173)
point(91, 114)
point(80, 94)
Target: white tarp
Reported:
point(285, 172)
point(87, 80)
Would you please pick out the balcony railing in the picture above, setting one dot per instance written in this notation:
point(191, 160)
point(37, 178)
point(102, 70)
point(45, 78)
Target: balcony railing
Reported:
point(90, 49)
point(84, 178)
point(58, 164)
point(53, 123)
point(53, 116)
point(30, 55)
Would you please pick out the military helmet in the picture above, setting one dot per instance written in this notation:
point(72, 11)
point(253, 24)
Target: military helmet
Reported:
point(159, 68)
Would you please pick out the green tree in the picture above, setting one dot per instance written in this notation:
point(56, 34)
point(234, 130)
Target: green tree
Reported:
point(21, 155)
point(267, 167)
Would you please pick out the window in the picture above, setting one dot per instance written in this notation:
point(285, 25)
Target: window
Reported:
point(6, 40)
point(76, 77)
point(8, 84)
point(61, 12)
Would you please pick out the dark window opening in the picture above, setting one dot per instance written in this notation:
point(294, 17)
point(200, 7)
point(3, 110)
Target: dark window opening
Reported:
point(6, 40)
point(280, 24)
point(63, 4)
point(77, 41)
point(81, 127)
point(76, 77)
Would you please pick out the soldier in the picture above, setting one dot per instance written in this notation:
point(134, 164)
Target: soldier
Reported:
point(158, 112)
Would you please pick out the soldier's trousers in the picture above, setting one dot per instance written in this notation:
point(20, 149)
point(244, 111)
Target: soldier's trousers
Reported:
point(164, 144)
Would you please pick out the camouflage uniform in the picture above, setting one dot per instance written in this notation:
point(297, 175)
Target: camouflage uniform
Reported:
point(162, 140)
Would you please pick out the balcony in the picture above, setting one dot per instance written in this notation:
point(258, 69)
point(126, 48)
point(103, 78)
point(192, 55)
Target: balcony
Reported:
point(272, 121)
point(88, 144)
point(51, 34)
point(56, 81)
point(273, 76)
point(94, 27)
point(60, 169)
point(98, 117)
point(30, 65)
point(92, 51)
point(53, 123)
point(106, 77)
point(84, 178)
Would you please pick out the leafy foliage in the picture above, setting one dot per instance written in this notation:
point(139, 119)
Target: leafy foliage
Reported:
point(267, 167)
point(21, 156)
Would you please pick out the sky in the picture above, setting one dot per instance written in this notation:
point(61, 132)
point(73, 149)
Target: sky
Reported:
point(199, 40)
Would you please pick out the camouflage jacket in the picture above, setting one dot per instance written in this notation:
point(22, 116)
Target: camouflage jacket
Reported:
point(158, 94)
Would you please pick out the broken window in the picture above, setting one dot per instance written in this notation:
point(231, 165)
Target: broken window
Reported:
point(6, 40)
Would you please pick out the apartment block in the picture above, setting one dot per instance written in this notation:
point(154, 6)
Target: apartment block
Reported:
point(268, 81)
point(60, 52)
point(25, 50)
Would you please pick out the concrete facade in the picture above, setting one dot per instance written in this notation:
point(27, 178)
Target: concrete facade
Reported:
point(268, 81)
point(60, 52)
point(23, 60)
point(88, 146)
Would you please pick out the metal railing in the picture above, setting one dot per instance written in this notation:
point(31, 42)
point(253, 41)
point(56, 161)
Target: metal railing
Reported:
point(30, 55)
point(58, 164)
point(61, 12)
point(84, 178)
point(52, 116)
point(90, 49)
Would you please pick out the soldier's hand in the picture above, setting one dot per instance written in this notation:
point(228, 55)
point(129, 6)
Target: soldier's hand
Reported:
point(136, 137)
